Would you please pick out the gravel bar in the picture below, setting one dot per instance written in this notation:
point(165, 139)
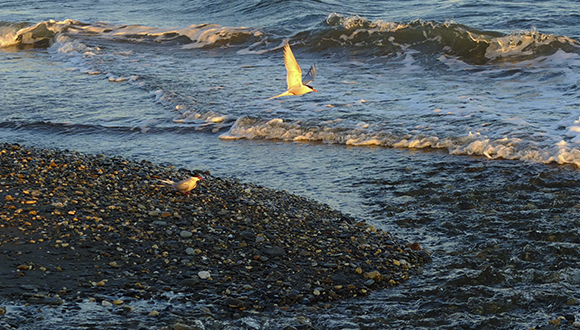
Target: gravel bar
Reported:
point(89, 227)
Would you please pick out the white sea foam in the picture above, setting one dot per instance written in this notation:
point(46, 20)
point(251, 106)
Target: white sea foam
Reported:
point(521, 44)
point(360, 24)
point(203, 35)
point(473, 144)
point(200, 35)
point(217, 119)
point(7, 36)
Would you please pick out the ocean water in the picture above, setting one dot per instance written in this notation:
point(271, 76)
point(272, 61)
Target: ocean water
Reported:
point(455, 124)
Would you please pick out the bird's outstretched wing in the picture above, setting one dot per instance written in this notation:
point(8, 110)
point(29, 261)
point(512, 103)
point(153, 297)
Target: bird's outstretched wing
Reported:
point(294, 75)
point(309, 77)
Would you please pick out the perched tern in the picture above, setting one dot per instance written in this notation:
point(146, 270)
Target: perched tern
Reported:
point(183, 186)
point(296, 84)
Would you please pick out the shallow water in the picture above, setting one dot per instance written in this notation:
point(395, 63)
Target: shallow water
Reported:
point(458, 130)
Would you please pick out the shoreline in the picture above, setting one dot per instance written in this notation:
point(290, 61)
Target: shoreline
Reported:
point(78, 227)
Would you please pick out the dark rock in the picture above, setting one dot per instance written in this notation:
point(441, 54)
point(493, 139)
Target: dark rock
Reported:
point(293, 294)
point(233, 303)
point(273, 251)
point(271, 236)
point(191, 282)
point(340, 278)
point(489, 276)
point(248, 236)
point(45, 300)
point(425, 256)
point(29, 287)
point(304, 327)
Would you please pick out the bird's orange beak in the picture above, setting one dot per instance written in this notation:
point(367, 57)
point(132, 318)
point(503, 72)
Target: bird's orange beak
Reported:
point(314, 90)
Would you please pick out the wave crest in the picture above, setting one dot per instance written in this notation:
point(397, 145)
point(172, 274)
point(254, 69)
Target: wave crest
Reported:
point(43, 34)
point(380, 38)
point(39, 35)
point(334, 132)
point(357, 35)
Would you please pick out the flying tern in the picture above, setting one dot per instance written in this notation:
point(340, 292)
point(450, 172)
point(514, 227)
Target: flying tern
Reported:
point(296, 84)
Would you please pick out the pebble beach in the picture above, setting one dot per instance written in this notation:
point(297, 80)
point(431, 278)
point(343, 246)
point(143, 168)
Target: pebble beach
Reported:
point(77, 228)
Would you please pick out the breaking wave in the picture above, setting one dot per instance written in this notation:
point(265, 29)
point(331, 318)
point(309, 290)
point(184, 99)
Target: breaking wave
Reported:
point(334, 132)
point(195, 36)
point(381, 38)
point(353, 34)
